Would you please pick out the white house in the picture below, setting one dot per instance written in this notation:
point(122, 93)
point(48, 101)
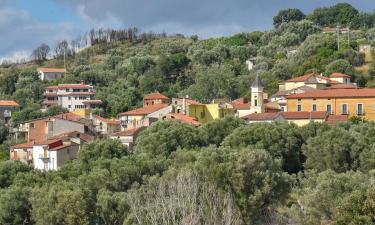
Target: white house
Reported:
point(52, 154)
point(70, 96)
point(127, 137)
point(50, 74)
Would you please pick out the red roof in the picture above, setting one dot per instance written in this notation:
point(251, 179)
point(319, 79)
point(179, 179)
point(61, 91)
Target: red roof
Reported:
point(342, 86)
point(183, 118)
point(154, 96)
point(63, 86)
point(241, 104)
point(52, 143)
point(108, 121)
point(130, 132)
point(52, 70)
point(69, 116)
point(261, 116)
point(336, 93)
point(301, 78)
point(60, 147)
point(144, 110)
point(333, 119)
point(8, 103)
point(304, 115)
point(74, 134)
point(338, 75)
point(23, 145)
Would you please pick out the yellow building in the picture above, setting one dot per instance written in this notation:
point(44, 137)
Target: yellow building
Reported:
point(207, 112)
point(349, 101)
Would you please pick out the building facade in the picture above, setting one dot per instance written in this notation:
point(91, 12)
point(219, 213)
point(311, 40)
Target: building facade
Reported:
point(50, 74)
point(350, 102)
point(7, 107)
point(73, 97)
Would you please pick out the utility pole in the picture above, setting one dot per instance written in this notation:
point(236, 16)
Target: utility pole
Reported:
point(64, 59)
point(348, 36)
point(338, 29)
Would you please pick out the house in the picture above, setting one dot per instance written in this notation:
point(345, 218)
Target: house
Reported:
point(44, 128)
point(7, 107)
point(143, 117)
point(241, 107)
point(340, 78)
point(24, 152)
point(204, 113)
point(299, 118)
point(106, 126)
point(50, 74)
point(127, 137)
point(73, 97)
point(280, 96)
point(52, 154)
point(304, 118)
point(263, 117)
point(313, 80)
point(351, 102)
point(250, 63)
point(154, 99)
point(183, 118)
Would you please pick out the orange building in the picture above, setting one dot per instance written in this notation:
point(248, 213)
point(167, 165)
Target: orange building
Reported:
point(349, 101)
point(155, 99)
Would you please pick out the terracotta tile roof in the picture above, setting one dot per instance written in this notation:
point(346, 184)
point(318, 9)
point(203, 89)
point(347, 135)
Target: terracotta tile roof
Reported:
point(93, 102)
point(74, 134)
point(127, 133)
point(301, 78)
point(23, 145)
point(81, 93)
point(108, 121)
point(342, 86)
point(60, 147)
point(69, 116)
point(183, 118)
point(336, 93)
point(8, 103)
point(155, 95)
point(144, 110)
point(193, 102)
point(52, 87)
point(302, 89)
point(304, 115)
point(241, 104)
point(52, 70)
point(338, 75)
point(333, 119)
point(261, 116)
point(52, 143)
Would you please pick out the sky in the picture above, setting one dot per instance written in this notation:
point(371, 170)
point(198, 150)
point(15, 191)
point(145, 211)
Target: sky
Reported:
point(25, 24)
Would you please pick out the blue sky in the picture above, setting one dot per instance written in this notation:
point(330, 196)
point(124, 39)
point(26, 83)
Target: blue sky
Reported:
point(25, 24)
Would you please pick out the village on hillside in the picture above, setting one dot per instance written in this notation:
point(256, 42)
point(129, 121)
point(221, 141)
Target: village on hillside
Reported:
point(47, 143)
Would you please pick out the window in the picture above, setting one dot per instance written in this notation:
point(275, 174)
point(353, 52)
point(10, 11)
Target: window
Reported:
point(329, 108)
point(67, 90)
point(344, 109)
point(32, 125)
point(299, 108)
point(255, 102)
point(69, 106)
point(203, 114)
point(85, 90)
point(314, 107)
point(360, 109)
point(69, 98)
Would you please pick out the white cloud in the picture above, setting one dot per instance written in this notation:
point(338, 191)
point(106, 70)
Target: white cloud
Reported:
point(21, 32)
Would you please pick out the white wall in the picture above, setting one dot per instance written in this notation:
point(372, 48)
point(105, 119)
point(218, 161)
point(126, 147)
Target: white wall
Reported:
point(50, 76)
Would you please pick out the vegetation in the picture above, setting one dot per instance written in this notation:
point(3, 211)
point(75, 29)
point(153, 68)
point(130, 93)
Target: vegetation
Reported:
point(224, 172)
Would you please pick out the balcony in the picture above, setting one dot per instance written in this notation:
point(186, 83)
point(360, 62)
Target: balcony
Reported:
point(44, 157)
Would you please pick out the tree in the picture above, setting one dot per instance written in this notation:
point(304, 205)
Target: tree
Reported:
point(336, 149)
point(41, 53)
point(287, 15)
point(165, 137)
point(102, 149)
point(3, 132)
point(216, 131)
point(340, 14)
point(340, 66)
point(15, 207)
point(281, 140)
point(199, 201)
point(9, 170)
